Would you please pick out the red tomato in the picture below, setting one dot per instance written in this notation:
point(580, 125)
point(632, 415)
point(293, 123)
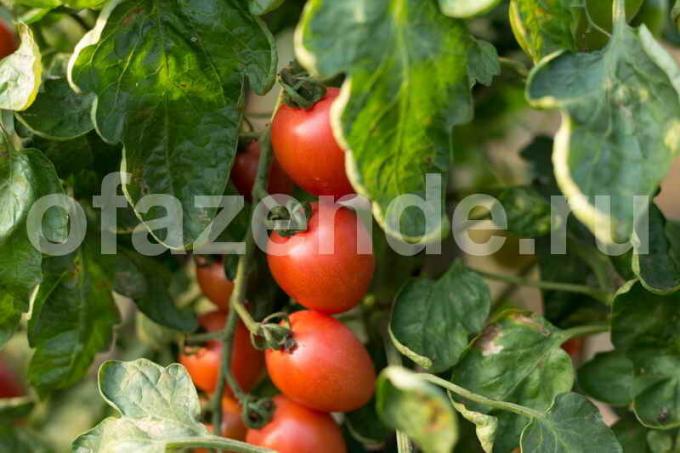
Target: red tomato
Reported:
point(245, 169)
point(214, 283)
point(326, 282)
point(304, 145)
point(574, 348)
point(8, 43)
point(9, 382)
point(296, 429)
point(203, 364)
point(328, 370)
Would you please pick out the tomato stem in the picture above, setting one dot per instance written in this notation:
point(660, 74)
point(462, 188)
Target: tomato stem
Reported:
point(216, 442)
point(474, 397)
point(582, 331)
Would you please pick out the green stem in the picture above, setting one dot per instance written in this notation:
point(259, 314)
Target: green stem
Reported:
point(394, 359)
point(582, 331)
point(619, 15)
point(555, 286)
point(219, 443)
point(474, 397)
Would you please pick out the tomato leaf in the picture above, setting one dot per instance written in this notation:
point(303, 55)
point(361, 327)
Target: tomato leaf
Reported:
point(485, 425)
point(528, 212)
point(676, 13)
point(25, 176)
point(645, 328)
point(542, 27)
point(399, 100)
point(171, 88)
point(72, 319)
point(15, 438)
point(20, 73)
point(418, 408)
point(620, 128)
point(631, 434)
point(14, 408)
point(432, 321)
point(467, 8)
point(516, 359)
point(58, 113)
point(608, 377)
point(659, 267)
point(572, 424)
point(260, 7)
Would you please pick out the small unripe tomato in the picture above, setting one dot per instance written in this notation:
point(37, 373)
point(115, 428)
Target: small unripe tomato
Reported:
point(296, 429)
point(244, 171)
point(328, 369)
point(8, 42)
point(327, 282)
point(214, 283)
point(203, 363)
point(304, 145)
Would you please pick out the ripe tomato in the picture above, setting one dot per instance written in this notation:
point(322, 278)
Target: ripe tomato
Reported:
point(328, 370)
point(9, 382)
point(574, 348)
point(214, 283)
point(306, 149)
point(296, 429)
point(245, 169)
point(326, 282)
point(203, 364)
point(8, 43)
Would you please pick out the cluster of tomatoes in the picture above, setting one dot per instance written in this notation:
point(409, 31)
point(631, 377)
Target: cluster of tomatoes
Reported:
point(326, 368)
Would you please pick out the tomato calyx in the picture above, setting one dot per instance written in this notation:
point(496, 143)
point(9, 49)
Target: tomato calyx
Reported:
point(300, 90)
point(290, 219)
point(274, 332)
point(257, 412)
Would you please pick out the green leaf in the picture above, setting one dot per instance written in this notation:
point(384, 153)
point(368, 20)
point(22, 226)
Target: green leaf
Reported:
point(421, 410)
point(516, 359)
point(485, 425)
point(676, 13)
point(399, 100)
point(25, 176)
point(542, 27)
point(171, 88)
point(15, 408)
point(20, 73)
point(573, 424)
point(72, 319)
point(608, 377)
point(157, 407)
point(620, 128)
point(260, 7)
point(467, 8)
point(59, 113)
point(147, 282)
point(432, 321)
point(365, 425)
point(659, 267)
point(645, 327)
point(528, 212)
point(631, 435)
point(18, 439)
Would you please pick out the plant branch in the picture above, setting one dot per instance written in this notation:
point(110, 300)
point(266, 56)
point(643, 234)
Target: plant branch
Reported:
point(219, 443)
point(474, 397)
point(582, 331)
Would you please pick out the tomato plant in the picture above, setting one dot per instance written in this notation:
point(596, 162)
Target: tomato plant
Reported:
point(360, 225)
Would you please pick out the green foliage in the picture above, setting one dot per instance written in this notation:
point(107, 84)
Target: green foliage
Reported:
point(608, 377)
point(467, 8)
point(659, 267)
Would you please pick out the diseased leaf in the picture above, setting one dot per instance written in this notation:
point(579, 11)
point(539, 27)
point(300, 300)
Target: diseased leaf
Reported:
point(20, 73)
point(572, 424)
point(620, 128)
point(528, 212)
point(659, 267)
point(646, 327)
point(542, 27)
point(399, 100)
point(485, 425)
point(516, 359)
point(59, 113)
point(170, 84)
point(72, 319)
point(608, 377)
point(418, 408)
point(467, 8)
point(432, 321)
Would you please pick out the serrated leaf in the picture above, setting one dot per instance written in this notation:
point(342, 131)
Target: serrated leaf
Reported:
point(646, 327)
point(72, 319)
point(608, 377)
point(432, 321)
point(399, 100)
point(516, 359)
point(20, 73)
point(572, 424)
point(59, 113)
point(421, 410)
point(171, 88)
point(542, 27)
point(620, 128)
point(659, 267)
point(467, 8)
